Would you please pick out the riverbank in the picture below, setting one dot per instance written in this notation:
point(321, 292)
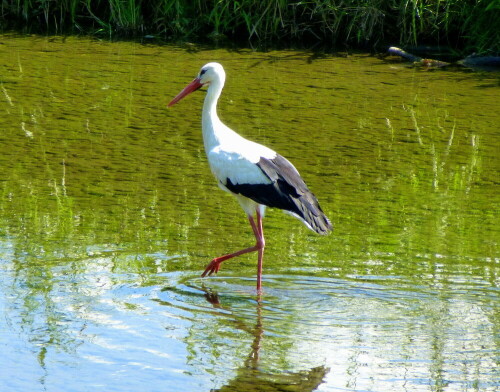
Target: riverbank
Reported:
point(465, 26)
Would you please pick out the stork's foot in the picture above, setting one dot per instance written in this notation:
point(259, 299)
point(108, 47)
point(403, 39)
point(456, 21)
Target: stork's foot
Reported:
point(212, 268)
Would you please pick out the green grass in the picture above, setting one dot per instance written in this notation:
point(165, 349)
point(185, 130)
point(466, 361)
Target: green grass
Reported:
point(470, 25)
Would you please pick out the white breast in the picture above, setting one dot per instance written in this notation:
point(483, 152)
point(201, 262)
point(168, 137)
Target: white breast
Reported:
point(236, 159)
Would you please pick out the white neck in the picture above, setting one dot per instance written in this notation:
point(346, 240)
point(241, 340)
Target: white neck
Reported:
point(214, 131)
point(217, 136)
point(210, 104)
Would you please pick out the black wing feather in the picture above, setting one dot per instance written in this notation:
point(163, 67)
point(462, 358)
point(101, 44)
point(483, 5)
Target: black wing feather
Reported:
point(287, 191)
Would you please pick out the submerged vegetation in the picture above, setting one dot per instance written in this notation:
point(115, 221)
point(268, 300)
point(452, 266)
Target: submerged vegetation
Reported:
point(471, 25)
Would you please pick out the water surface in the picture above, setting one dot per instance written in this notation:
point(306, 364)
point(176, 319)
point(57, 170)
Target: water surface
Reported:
point(109, 214)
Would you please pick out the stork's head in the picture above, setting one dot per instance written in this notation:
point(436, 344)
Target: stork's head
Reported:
point(210, 73)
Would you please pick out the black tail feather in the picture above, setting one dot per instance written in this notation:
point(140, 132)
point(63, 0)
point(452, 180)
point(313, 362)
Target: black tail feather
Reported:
point(310, 212)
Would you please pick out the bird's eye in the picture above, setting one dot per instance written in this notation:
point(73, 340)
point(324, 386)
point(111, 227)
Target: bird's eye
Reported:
point(202, 72)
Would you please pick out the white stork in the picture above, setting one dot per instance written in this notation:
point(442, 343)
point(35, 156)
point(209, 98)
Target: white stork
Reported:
point(256, 175)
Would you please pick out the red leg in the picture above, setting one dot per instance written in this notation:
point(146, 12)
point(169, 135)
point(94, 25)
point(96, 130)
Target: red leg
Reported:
point(214, 266)
point(261, 252)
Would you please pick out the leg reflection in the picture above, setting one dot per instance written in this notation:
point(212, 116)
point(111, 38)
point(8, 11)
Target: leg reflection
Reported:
point(252, 378)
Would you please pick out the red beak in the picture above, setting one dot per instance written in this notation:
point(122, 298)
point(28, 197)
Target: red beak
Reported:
point(193, 86)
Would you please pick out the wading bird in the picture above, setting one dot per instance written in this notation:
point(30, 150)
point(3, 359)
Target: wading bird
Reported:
point(256, 175)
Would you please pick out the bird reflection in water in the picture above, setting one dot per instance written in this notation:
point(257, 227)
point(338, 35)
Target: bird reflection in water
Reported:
point(250, 378)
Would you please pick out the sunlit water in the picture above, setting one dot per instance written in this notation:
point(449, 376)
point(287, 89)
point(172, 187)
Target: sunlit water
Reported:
point(109, 214)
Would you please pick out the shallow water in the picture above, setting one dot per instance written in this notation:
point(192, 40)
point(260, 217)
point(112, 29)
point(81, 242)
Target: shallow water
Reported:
point(109, 214)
